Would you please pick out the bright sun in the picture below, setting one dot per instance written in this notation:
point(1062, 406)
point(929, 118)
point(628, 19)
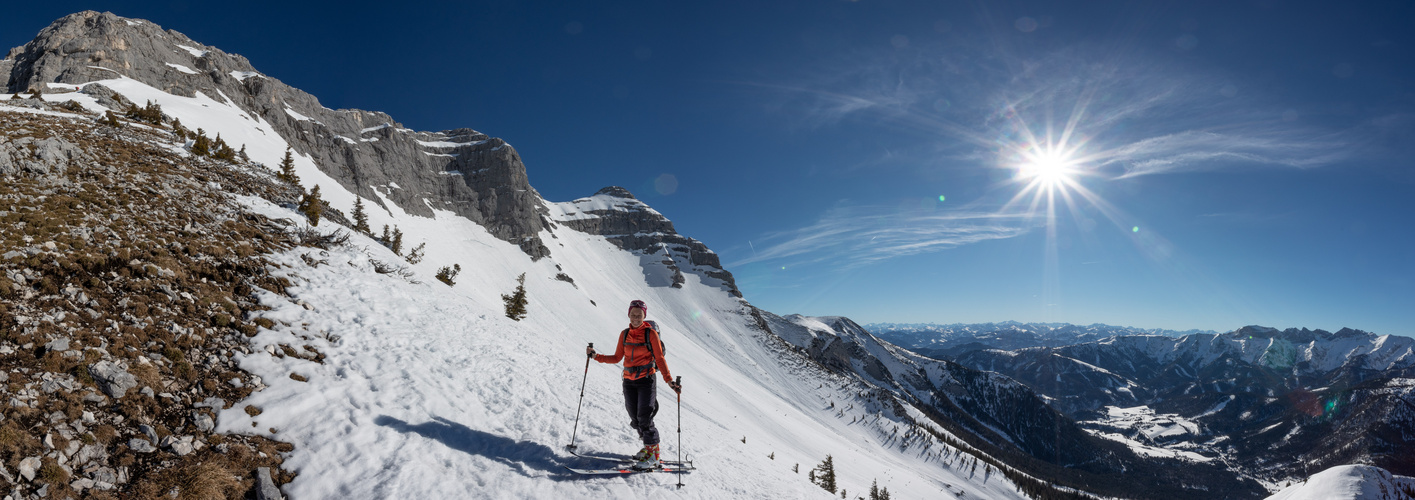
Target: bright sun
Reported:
point(1048, 168)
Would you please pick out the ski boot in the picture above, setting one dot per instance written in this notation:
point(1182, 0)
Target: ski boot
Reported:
point(650, 459)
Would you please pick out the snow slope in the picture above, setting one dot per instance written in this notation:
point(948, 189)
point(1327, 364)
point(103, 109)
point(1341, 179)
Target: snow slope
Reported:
point(1350, 482)
point(429, 391)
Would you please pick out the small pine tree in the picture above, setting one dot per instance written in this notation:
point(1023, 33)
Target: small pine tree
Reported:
point(516, 302)
point(360, 217)
point(826, 476)
point(796, 468)
point(151, 113)
point(35, 93)
point(110, 119)
point(416, 256)
point(397, 244)
point(312, 206)
point(772, 455)
point(201, 146)
point(242, 153)
point(842, 493)
point(222, 151)
point(287, 169)
point(448, 275)
point(179, 130)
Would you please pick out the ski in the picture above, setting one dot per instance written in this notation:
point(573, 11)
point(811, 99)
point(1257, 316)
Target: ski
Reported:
point(626, 461)
point(624, 471)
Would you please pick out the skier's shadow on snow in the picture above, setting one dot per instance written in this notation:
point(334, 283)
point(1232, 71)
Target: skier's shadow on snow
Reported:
point(519, 455)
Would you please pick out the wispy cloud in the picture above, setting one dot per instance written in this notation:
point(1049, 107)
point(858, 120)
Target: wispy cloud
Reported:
point(854, 236)
point(1136, 115)
point(1194, 150)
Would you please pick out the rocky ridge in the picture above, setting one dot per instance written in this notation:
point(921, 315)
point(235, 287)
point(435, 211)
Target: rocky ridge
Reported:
point(126, 279)
point(614, 213)
point(463, 171)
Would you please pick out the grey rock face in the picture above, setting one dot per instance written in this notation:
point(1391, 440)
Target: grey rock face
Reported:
point(28, 468)
point(89, 453)
point(181, 445)
point(265, 486)
point(614, 213)
point(112, 379)
point(141, 445)
point(60, 344)
point(45, 157)
point(202, 421)
point(461, 170)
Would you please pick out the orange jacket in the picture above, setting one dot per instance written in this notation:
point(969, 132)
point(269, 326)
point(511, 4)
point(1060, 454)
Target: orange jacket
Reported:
point(638, 355)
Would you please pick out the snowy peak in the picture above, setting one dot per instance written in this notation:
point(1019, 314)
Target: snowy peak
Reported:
point(632, 225)
point(616, 192)
point(1351, 482)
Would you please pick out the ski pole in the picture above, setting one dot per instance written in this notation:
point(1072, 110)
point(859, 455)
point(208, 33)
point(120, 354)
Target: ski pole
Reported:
point(576, 429)
point(678, 381)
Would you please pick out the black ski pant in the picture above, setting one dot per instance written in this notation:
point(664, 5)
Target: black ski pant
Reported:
point(641, 399)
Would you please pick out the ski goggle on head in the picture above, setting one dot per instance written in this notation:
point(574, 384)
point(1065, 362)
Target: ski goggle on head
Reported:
point(639, 304)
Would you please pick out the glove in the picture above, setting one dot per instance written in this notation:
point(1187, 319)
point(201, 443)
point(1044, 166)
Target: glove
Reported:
point(589, 352)
point(676, 388)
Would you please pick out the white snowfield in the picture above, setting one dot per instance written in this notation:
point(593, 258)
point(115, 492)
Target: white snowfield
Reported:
point(429, 391)
point(1349, 482)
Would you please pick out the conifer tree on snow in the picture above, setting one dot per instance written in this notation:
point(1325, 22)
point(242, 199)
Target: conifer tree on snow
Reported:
point(516, 302)
point(397, 244)
point(416, 255)
point(222, 151)
point(201, 146)
point(312, 206)
point(35, 93)
point(178, 129)
point(360, 218)
point(287, 169)
point(110, 119)
point(448, 275)
point(824, 474)
point(876, 493)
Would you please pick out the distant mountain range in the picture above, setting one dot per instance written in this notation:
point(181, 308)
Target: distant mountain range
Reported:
point(991, 411)
point(946, 340)
point(1280, 404)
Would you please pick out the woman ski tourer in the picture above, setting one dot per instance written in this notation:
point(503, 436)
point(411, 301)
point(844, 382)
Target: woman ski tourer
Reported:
point(641, 349)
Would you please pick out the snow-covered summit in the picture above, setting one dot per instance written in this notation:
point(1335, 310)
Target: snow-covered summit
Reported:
point(1351, 482)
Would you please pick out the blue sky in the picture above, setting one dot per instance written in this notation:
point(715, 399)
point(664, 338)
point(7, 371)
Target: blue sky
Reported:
point(1227, 163)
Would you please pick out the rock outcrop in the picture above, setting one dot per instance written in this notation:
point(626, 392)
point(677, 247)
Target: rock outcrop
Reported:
point(462, 171)
point(614, 213)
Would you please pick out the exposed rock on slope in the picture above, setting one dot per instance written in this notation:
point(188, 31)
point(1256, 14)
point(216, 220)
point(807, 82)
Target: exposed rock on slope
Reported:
point(463, 171)
point(126, 274)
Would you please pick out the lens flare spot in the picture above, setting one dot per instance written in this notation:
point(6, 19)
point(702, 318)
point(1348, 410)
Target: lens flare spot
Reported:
point(1135, 229)
point(665, 184)
point(940, 197)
